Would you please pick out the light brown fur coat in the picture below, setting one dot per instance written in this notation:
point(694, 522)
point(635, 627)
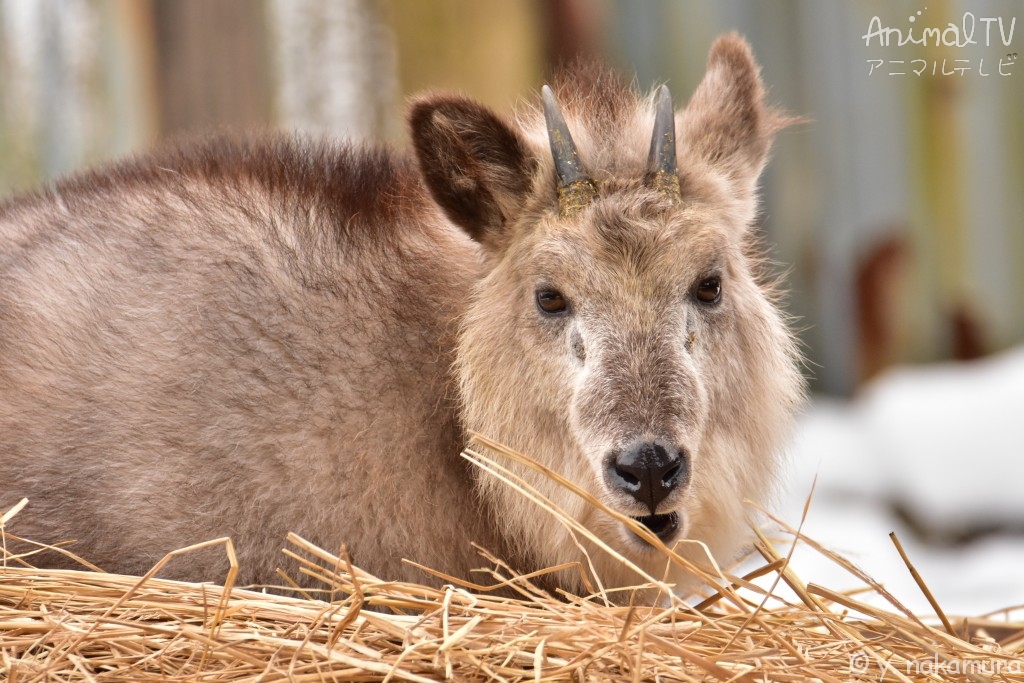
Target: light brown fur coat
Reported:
point(249, 337)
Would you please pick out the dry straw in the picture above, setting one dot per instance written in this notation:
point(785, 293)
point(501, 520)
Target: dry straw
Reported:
point(92, 626)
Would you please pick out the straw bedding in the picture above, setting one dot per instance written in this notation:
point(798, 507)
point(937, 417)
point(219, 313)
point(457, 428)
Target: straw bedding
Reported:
point(92, 626)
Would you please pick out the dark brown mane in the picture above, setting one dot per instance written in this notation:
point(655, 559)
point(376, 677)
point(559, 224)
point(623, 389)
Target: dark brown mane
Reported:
point(347, 184)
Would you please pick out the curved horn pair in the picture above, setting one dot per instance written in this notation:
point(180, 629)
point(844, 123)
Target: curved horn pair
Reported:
point(576, 188)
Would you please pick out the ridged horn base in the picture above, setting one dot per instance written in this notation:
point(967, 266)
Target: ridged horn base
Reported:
point(573, 197)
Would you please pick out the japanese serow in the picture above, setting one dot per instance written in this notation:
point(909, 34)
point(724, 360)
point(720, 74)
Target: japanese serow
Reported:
point(245, 337)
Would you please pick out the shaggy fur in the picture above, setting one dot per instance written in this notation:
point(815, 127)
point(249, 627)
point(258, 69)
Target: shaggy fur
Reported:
point(247, 338)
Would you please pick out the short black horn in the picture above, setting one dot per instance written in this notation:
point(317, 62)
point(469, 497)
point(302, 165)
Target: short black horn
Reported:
point(662, 174)
point(575, 188)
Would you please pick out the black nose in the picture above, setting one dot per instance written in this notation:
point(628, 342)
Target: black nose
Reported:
point(648, 471)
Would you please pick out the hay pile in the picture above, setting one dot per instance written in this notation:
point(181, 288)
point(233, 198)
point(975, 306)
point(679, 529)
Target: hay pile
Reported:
point(92, 626)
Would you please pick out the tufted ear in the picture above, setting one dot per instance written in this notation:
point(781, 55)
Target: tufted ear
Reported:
point(727, 125)
point(477, 167)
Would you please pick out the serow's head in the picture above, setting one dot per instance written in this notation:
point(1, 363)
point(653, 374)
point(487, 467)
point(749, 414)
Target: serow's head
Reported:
point(622, 332)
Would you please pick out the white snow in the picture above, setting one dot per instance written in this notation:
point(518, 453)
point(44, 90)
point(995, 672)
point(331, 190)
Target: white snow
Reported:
point(947, 443)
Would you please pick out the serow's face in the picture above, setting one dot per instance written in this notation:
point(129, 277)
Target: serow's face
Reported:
point(620, 333)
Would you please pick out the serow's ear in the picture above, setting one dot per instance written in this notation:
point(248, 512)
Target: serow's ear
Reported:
point(477, 167)
point(727, 125)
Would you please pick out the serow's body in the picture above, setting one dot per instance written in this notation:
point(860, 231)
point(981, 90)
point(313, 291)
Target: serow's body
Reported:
point(245, 338)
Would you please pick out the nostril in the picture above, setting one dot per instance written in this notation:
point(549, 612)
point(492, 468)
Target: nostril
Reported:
point(627, 477)
point(668, 480)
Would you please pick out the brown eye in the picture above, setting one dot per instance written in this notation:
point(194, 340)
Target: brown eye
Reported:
point(551, 301)
point(709, 291)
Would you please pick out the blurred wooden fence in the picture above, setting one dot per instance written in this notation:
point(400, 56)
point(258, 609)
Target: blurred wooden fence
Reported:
point(85, 80)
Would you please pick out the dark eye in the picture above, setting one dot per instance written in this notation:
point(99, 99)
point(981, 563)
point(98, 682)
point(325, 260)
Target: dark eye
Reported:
point(551, 301)
point(709, 290)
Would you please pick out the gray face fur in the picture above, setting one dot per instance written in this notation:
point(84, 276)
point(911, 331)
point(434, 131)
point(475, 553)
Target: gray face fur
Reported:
point(252, 337)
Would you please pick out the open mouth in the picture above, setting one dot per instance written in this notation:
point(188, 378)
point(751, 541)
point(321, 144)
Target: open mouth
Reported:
point(662, 526)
